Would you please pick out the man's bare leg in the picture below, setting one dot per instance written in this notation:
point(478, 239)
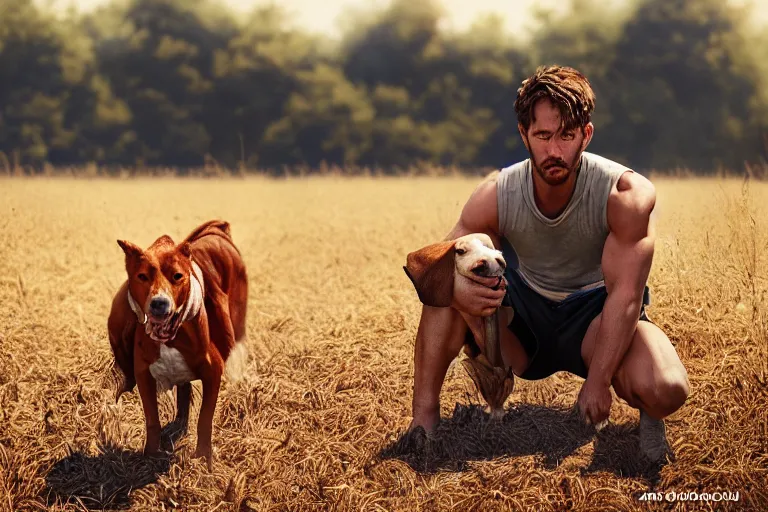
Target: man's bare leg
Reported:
point(512, 352)
point(650, 378)
point(439, 340)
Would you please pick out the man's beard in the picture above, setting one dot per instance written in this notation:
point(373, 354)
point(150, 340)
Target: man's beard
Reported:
point(555, 171)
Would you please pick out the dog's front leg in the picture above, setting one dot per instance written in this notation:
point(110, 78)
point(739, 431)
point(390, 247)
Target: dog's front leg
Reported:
point(183, 401)
point(148, 392)
point(476, 325)
point(210, 375)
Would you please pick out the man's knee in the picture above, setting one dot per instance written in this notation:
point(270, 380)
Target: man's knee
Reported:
point(665, 394)
point(442, 325)
point(434, 317)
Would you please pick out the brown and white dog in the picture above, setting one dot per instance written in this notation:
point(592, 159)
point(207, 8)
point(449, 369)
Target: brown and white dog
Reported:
point(179, 317)
point(432, 270)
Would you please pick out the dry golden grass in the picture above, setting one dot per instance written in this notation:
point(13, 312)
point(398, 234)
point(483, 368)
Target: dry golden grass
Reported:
point(332, 320)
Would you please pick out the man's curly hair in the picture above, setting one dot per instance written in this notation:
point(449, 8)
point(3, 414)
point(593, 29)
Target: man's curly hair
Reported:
point(565, 87)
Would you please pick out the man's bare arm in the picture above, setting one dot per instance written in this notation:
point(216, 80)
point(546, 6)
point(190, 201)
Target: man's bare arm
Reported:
point(477, 297)
point(626, 262)
point(480, 213)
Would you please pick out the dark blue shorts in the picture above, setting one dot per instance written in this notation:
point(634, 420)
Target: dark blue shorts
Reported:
point(552, 332)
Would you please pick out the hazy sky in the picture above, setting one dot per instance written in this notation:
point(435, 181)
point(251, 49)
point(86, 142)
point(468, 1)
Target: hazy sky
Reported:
point(321, 15)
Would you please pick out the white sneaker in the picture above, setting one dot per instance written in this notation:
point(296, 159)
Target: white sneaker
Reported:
point(653, 437)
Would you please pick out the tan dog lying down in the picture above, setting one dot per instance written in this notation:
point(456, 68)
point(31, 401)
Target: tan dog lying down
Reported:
point(432, 270)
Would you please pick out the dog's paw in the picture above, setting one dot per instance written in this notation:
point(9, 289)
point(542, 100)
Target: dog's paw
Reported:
point(205, 452)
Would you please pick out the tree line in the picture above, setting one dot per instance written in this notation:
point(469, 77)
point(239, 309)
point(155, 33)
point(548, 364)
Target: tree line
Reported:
point(180, 83)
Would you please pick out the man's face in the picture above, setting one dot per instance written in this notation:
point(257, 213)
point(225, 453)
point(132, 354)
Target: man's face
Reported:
point(555, 152)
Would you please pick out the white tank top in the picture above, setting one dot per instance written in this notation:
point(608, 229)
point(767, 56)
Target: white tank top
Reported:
point(559, 256)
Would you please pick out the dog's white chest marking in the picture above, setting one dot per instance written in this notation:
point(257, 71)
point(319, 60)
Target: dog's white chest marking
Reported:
point(170, 369)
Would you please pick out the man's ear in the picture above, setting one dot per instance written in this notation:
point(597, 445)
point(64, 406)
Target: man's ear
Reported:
point(524, 136)
point(132, 251)
point(431, 269)
point(589, 130)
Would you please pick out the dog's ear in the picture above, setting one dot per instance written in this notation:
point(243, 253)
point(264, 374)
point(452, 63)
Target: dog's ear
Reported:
point(185, 249)
point(431, 269)
point(131, 251)
point(164, 240)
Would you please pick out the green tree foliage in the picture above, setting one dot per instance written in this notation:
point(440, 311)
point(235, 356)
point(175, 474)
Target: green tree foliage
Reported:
point(161, 64)
point(263, 66)
point(684, 93)
point(180, 82)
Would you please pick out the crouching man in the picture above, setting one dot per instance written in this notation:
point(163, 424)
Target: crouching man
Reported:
point(579, 227)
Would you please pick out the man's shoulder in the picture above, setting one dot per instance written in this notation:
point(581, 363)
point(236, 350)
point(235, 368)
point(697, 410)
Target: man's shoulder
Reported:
point(608, 166)
point(635, 188)
point(510, 179)
point(631, 201)
point(628, 186)
point(514, 167)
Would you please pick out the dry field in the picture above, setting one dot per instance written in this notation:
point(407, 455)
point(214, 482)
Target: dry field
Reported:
point(315, 424)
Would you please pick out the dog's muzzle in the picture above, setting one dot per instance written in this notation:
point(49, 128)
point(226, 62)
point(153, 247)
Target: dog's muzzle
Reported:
point(165, 330)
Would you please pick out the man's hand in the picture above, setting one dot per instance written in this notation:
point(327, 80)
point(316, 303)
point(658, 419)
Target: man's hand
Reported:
point(594, 401)
point(476, 297)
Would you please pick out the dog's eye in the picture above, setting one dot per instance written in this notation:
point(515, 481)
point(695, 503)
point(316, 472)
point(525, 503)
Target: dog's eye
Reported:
point(178, 276)
point(460, 251)
point(143, 277)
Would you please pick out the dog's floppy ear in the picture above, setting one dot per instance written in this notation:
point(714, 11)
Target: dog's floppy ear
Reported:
point(431, 269)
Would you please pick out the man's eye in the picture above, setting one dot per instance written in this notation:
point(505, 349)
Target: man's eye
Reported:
point(567, 136)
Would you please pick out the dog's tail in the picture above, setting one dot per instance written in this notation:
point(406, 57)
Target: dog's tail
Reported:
point(236, 363)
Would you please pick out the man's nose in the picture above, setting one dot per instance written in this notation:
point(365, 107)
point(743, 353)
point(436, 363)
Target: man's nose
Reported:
point(553, 148)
